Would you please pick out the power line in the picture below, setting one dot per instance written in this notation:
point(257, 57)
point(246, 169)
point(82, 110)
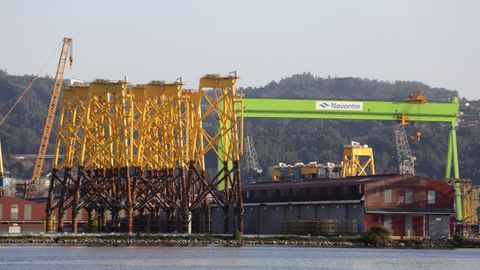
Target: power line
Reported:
point(27, 89)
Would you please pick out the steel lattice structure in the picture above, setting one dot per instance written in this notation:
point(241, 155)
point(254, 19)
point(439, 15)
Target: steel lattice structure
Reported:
point(406, 159)
point(253, 167)
point(135, 151)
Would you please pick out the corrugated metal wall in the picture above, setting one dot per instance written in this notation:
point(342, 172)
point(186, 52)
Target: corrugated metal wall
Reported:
point(265, 219)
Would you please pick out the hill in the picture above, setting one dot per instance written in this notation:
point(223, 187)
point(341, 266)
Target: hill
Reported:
point(21, 132)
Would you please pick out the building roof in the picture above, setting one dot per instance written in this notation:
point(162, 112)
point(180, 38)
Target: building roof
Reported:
point(325, 182)
point(20, 200)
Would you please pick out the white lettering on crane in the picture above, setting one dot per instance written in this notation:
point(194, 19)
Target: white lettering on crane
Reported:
point(339, 105)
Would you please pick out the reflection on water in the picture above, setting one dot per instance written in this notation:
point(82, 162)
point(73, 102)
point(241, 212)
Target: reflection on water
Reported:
point(216, 257)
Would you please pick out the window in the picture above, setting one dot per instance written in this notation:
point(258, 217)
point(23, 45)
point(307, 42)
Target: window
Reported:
point(28, 212)
point(431, 197)
point(408, 196)
point(387, 196)
point(408, 225)
point(14, 211)
point(387, 222)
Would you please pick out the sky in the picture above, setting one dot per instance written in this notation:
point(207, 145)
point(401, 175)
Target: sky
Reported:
point(436, 42)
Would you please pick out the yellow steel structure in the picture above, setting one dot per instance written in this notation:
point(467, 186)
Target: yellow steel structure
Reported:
point(357, 160)
point(52, 107)
point(159, 126)
point(216, 98)
point(71, 126)
point(94, 132)
point(142, 149)
point(469, 203)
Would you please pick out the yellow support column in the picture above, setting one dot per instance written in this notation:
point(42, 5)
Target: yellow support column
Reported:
point(469, 203)
point(63, 141)
point(170, 136)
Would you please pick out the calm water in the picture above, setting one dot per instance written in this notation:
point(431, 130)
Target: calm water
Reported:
point(215, 257)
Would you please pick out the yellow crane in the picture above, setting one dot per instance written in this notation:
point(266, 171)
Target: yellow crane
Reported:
point(65, 55)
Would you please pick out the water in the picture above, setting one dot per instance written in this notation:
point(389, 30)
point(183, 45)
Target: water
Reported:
point(216, 257)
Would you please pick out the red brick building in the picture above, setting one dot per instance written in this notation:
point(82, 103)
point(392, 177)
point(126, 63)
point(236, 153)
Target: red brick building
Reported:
point(410, 206)
point(19, 215)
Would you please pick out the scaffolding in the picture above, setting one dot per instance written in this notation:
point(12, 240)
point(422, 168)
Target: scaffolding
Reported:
point(136, 151)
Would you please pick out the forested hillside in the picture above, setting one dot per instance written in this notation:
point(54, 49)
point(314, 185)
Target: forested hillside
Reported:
point(279, 140)
point(21, 132)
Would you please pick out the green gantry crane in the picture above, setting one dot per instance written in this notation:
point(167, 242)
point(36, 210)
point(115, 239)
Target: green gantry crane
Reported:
point(415, 110)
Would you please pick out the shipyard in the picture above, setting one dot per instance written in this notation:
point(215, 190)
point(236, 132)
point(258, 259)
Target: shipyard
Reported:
point(130, 158)
point(271, 134)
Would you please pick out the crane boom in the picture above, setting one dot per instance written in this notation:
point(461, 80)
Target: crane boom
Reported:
point(253, 167)
point(64, 55)
point(406, 159)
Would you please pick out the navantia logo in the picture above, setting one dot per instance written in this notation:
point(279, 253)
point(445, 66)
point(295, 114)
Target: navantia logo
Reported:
point(323, 105)
point(339, 105)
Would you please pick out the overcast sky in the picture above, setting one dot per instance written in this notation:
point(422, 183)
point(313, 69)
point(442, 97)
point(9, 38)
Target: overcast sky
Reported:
point(436, 42)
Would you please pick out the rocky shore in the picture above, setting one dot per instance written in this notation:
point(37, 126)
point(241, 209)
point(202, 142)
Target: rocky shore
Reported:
point(204, 240)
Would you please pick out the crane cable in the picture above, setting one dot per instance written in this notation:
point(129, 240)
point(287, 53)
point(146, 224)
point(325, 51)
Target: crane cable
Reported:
point(27, 89)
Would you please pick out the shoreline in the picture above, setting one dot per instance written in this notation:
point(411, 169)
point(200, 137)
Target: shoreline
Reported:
point(123, 240)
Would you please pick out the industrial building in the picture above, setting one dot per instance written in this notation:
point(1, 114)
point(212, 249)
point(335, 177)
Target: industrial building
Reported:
point(410, 206)
point(23, 216)
point(18, 215)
